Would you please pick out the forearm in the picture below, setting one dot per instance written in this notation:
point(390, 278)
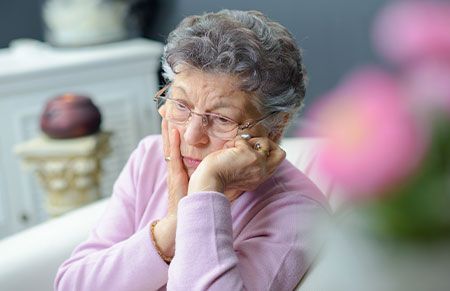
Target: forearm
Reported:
point(132, 264)
point(204, 258)
point(272, 252)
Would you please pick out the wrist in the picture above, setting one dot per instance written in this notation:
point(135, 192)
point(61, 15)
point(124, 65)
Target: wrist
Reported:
point(200, 182)
point(163, 236)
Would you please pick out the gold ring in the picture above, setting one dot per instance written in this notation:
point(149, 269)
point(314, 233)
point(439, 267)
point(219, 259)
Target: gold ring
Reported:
point(266, 152)
point(167, 159)
point(259, 148)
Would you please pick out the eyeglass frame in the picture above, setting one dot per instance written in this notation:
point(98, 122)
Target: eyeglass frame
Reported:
point(240, 127)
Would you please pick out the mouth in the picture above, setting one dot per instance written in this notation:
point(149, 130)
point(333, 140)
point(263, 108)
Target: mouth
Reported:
point(191, 162)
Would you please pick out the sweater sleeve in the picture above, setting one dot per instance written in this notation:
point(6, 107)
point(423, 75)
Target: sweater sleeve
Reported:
point(272, 252)
point(116, 256)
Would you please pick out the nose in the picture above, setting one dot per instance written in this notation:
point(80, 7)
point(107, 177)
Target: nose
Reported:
point(195, 133)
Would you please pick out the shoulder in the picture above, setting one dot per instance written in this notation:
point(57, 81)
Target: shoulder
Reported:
point(147, 159)
point(149, 149)
point(289, 183)
point(151, 143)
point(289, 195)
point(145, 170)
point(149, 152)
point(285, 209)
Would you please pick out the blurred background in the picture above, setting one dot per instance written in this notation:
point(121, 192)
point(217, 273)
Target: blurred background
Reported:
point(109, 51)
point(380, 69)
point(333, 34)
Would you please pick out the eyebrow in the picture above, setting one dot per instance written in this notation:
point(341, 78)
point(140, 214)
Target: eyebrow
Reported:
point(216, 106)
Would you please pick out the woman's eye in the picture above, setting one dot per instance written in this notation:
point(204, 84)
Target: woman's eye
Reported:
point(180, 106)
point(222, 120)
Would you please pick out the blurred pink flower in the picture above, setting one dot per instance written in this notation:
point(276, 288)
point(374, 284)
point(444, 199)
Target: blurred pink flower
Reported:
point(428, 85)
point(373, 137)
point(407, 31)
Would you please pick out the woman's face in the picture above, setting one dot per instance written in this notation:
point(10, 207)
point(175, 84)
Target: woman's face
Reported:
point(216, 93)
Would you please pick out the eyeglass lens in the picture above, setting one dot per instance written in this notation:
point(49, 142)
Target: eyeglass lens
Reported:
point(215, 124)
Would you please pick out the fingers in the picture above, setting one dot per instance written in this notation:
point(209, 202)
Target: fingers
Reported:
point(176, 164)
point(165, 136)
point(177, 178)
point(277, 155)
point(245, 136)
point(269, 150)
point(275, 150)
point(246, 164)
point(242, 143)
point(162, 111)
point(261, 146)
point(275, 158)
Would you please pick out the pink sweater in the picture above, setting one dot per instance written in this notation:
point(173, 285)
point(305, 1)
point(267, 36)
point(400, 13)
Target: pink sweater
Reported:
point(261, 241)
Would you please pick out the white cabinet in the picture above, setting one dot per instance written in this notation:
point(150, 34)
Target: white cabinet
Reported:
point(121, 79)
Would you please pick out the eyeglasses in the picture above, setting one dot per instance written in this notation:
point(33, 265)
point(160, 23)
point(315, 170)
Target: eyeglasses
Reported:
point(216, 125)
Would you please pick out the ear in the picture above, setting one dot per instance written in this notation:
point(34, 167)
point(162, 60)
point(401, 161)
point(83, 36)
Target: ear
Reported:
point(277, 133)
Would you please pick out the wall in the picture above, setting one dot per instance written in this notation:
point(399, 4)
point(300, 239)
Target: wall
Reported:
point(333, 34)
point(20, 18)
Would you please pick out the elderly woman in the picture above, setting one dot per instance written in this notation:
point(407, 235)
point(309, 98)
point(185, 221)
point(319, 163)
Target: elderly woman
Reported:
point(211, 204)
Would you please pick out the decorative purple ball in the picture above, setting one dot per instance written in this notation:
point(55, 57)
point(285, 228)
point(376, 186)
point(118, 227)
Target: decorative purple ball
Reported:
point(69, 116)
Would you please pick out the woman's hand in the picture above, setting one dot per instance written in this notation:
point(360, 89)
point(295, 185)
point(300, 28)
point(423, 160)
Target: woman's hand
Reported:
point(177, 178)
point(242, 167)
point(177, 181)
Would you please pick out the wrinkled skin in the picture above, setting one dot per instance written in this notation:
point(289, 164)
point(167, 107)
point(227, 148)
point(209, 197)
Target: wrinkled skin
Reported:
point(230, 167)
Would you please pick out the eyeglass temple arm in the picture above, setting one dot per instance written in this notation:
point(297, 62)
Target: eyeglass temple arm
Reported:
point(160, 92)
point(249, 124)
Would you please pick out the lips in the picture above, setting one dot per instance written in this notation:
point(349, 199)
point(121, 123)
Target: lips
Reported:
point(191, 162)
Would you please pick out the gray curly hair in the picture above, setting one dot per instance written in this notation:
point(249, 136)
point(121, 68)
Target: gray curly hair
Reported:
point(247, 44)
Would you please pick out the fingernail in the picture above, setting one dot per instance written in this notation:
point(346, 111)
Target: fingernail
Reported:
point(246, 136)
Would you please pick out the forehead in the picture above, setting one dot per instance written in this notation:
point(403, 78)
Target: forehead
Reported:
point(212, 89)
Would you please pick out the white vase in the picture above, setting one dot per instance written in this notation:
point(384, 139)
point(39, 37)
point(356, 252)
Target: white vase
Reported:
point(84, 22)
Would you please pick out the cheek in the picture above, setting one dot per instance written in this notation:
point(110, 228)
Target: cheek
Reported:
point(179, 128)
point(220, 144)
